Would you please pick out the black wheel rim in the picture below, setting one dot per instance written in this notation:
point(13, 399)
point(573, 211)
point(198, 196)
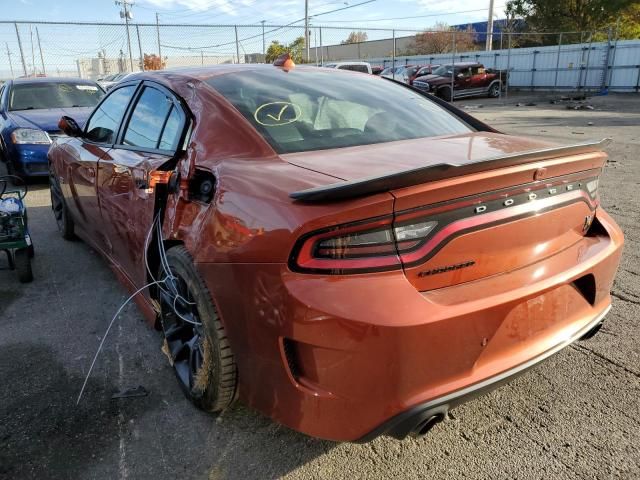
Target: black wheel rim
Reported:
point(183, 331)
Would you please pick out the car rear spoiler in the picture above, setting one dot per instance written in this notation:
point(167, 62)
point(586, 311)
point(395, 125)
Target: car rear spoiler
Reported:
point(370, 185)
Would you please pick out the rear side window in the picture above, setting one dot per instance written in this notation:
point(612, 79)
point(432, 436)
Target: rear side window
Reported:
point(309, 109)
point(172, 130)
point(148, 119)
point(103, 124)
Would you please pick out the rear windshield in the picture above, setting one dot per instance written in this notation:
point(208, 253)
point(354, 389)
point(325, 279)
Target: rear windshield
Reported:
point(33, 96)
point(303, 110)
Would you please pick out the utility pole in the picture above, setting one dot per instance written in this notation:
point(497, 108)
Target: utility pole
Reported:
point(9, 55)
point(158, 32)
point(489, 45)
point(44, 72)
point(306, 28)
point(263, 49)
point(140, 48)
point(126, 14)
point(24, 65)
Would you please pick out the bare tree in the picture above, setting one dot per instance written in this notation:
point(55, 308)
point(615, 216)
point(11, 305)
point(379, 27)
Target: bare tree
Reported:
point(356, 37)
point(439, 39)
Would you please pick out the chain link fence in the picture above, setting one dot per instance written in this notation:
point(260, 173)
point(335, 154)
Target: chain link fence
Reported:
point(590, 61)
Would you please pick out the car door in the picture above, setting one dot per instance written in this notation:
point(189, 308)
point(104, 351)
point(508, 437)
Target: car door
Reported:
point(464, 79)
point(80, 167)
point(478, 78)
point(149, 140)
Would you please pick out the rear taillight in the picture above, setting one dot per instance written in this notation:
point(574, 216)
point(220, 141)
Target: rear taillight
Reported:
point(361, 247)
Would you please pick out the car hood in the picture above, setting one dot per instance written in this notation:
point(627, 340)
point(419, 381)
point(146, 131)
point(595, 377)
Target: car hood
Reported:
point(354, 163)
point(47, 119)
point(431, 78)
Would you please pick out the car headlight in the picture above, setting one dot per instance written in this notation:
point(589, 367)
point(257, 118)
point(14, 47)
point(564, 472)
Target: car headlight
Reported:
point(30, 136)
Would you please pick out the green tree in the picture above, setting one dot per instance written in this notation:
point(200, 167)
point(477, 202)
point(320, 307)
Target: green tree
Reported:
point(295, 49)
point(274, 51)
point(629, 26)
point(568, 15)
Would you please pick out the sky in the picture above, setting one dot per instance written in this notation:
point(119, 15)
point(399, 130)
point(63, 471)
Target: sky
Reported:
point(379, 13)
point(63, 45)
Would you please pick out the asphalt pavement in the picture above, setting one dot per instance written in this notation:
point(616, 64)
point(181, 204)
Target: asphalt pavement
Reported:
point(575, 416)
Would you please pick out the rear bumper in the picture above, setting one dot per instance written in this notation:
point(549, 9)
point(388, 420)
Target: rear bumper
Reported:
point(409, 421)
point(351, 357)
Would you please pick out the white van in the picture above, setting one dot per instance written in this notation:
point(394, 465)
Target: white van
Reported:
point(363, 67)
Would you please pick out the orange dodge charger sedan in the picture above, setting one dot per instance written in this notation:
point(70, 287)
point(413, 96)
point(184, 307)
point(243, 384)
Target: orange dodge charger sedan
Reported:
point(341, 252)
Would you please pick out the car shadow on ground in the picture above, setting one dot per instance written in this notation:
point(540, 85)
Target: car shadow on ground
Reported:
point(43, 434)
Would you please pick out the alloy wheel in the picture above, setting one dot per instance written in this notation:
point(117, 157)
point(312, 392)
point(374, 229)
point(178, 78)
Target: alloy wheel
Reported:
point(183, 331)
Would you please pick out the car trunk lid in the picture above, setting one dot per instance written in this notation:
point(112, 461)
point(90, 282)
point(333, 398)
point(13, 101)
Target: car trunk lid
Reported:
point(480, 205)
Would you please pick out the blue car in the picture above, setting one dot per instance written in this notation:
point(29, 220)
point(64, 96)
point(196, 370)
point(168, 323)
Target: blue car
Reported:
point(30, 109)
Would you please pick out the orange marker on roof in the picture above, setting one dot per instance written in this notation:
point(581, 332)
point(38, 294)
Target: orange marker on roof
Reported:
point(285, 61)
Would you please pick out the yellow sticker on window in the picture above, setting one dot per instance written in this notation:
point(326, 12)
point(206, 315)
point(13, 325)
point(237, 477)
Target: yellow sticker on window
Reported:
point(276, 114)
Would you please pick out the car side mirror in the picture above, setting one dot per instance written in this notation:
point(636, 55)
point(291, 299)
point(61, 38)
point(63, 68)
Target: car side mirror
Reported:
point(70, 127)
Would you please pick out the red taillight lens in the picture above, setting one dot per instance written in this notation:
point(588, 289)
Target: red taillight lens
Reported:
point(358, 248)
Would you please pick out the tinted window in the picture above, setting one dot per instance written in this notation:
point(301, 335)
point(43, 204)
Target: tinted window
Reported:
point(306, 109)
point(172, 131)
point(33, 96)
point(355, 68)
point(148, 118)
point(104, 122)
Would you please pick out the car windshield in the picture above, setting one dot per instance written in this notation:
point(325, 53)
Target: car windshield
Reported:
point(34, 96)
point(303, 109)
point(443, 70)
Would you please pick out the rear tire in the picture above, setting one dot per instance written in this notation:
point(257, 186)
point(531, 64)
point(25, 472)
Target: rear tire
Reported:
point(494, 90)
point(23, 265)
point(195, 339)
point(445, 93)
point(63, 219)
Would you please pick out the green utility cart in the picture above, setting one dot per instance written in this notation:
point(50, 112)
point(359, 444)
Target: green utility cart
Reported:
point(15, 240)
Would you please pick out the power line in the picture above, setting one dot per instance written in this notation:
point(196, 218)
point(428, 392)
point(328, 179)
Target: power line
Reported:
point(413, 16)
point(204, 47)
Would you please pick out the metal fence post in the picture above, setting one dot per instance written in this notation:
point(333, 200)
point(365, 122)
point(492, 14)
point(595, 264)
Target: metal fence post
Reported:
point(586, 72)
point(506, 90)
point(393, 55)
point(44, 72)
point(555, 82)
point(158, 34)
point(453, 64)
point(9, 57)
point(613, 58)
point(238, 45)
point(315, 43)
point(24, 65)
point(321, 49)
point(140, 47)
point(533, 69)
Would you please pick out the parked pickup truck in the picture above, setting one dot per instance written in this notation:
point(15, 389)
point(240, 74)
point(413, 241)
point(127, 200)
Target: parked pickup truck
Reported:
point(469, 79)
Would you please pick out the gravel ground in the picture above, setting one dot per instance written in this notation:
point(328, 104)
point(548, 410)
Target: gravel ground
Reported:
point(575, 416)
